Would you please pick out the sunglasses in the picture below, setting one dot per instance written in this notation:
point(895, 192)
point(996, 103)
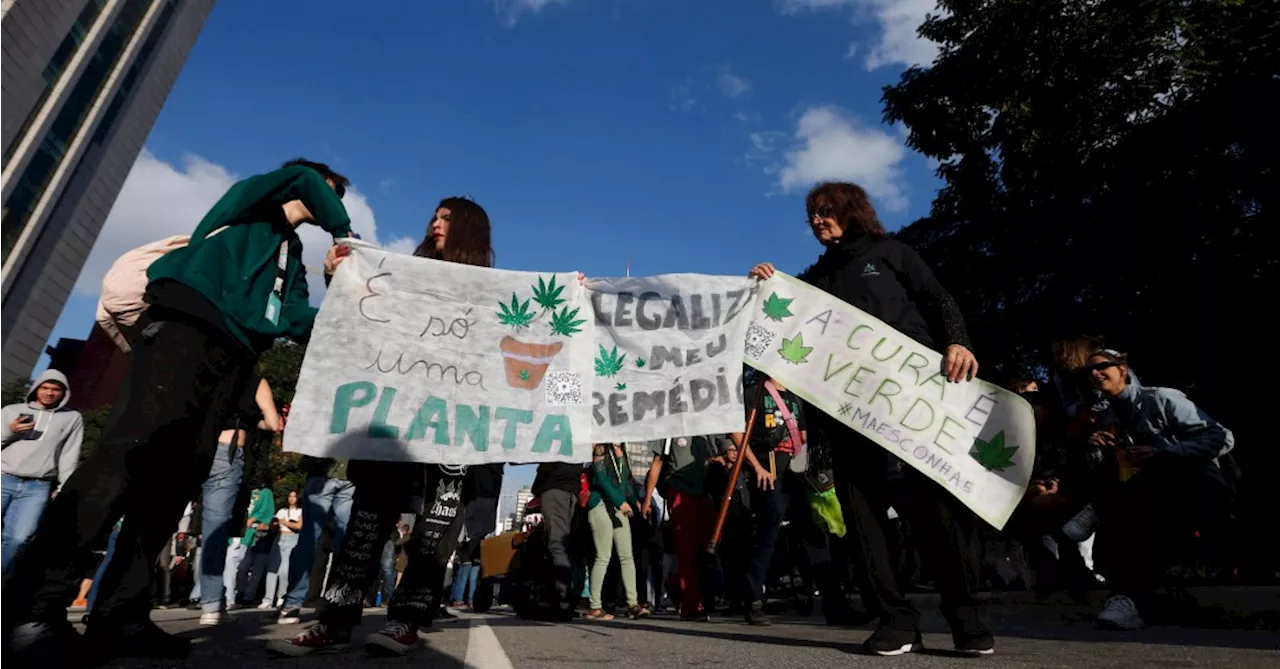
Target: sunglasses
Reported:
point(822, 211)
point(1102, 366)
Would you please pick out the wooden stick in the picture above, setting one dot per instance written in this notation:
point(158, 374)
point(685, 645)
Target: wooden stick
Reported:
point(737, 467)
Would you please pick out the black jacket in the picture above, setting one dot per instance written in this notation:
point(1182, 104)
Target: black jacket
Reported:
point(890, 281)
point(558, 476)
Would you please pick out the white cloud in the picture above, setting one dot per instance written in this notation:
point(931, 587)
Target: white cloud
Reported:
point(831, 144)
point(731, 84)
point(159, 199)
point(511, 10)
point(897, 20)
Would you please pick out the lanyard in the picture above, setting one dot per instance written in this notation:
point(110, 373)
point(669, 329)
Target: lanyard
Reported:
point(282, 266)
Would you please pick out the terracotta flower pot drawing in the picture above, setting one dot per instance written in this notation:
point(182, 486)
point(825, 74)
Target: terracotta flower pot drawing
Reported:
point(526, 363)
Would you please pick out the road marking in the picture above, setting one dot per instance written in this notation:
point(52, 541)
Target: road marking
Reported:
point(484, 651)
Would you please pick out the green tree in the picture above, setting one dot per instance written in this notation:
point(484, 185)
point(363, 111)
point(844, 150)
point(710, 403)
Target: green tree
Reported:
point(95, 423)
point(1108, 168)
point(15, 391)
point(280, 366)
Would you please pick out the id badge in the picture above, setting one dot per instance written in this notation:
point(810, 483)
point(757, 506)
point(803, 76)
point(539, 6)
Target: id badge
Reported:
point(273, 309)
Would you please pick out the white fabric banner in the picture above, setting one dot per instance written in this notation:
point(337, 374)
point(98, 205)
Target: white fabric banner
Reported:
point(975, 439)
point(428, 361)
point(668, 358)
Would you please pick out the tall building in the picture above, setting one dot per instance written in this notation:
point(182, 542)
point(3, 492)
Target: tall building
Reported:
point(83, 82)
point(522, 500)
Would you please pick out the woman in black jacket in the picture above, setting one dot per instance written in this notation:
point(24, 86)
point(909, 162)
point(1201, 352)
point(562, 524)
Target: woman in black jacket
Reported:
point(887, 279)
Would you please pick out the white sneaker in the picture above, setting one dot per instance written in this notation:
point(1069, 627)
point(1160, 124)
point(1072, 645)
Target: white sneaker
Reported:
point(1083, 525)
point(215, 618)
point(1120, 613)
point(264, 606)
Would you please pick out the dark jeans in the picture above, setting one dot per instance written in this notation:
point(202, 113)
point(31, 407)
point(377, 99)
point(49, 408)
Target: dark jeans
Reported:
point(153, 457)
point(1150, 522)
point(943, 527)
point(382, 493)
point(252, 569)
point(770, 507)
point(558, 507)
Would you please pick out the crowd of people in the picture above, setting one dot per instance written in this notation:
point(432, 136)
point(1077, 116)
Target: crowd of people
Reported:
point(1140, 468)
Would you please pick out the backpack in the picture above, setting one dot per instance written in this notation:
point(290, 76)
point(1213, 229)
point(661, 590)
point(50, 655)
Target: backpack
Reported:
point(125, 284)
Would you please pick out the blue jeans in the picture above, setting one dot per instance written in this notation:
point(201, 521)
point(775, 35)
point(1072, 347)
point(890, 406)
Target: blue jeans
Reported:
point(321, 496)
point(102, 568)
point(464, 582)
point(24, 501)
point(220, 491)
point(387, 567)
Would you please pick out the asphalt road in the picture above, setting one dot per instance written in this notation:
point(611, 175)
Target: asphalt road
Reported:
point(1027, 636)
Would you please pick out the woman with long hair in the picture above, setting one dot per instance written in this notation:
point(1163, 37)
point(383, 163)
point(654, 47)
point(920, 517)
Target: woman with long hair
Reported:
point(290, 522)
point(866, 268)
point(458, 232)
point(1167, 487)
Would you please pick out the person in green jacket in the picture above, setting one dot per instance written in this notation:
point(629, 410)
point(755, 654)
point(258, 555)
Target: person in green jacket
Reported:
point(609, 510)
point(214, 305)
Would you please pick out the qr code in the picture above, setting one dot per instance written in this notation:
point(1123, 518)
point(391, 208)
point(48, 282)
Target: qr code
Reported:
point(759, 339)
point(564, 389)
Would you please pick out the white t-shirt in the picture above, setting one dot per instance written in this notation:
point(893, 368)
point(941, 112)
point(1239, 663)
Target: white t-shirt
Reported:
point(288, 514)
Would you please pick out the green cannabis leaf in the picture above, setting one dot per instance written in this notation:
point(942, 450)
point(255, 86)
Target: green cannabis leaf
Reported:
point(993, 455)
point(524, 375)
point(794, 351)
point(777, 308)
point(564, 322)
point(517, 315)
point(640, 363)
point(620, 386)
point(547, 295)
point(609, 363)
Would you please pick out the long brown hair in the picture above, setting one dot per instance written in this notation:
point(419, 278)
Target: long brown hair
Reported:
point(851, 205)
point(1071, 354)
point(468, 239)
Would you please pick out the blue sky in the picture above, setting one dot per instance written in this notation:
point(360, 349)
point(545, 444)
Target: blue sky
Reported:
point(679, 133)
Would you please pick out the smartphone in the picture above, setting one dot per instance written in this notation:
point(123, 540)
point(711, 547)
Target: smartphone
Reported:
point(25, 418)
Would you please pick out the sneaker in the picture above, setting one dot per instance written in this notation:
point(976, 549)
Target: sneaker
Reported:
point(264, 606)
point(214, 618)
point(756, 616)
point(1083, 525)
point(52, 643)
point(1120, 613)
point(137, 640)
point(974, 643)
point(394, 640)
point(696, 617)
point(289, 616)
point(319, 638)
point(889, 641)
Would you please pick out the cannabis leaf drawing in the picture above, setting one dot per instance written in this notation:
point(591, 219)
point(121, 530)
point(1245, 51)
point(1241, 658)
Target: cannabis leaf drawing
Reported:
point(547, 295)
point(777, 308)
point(993, 455)
point(640, 363)
point(620, 386)
point(517, 315)
point(524, 375)
point(794, 351)
point(564, 322)
point(609, 363)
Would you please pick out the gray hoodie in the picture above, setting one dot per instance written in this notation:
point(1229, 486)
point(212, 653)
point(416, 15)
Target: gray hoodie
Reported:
point(52, 449)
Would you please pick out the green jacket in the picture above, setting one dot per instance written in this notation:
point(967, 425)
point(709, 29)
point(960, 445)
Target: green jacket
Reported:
point(611, 482)
point(262, 509)
point(236, 268)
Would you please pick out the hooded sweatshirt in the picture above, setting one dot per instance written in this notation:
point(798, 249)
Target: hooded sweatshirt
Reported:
point(51, 451)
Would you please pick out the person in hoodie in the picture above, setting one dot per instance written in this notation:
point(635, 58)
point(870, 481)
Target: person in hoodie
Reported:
point(215, 305)
point(866, 268)
point(1168, 486)
point(41, 448)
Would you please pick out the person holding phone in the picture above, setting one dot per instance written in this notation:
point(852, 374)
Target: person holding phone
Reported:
point(41, 448)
